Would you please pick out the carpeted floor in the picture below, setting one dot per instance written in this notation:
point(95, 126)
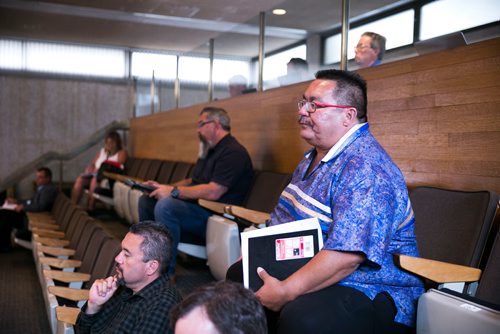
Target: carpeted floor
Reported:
point(22, 308)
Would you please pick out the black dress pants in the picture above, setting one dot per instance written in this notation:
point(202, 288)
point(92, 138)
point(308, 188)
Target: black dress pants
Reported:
point(10, 219)
point(334, 310)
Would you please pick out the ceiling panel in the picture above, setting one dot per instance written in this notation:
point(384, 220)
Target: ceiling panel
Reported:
point(174, 25)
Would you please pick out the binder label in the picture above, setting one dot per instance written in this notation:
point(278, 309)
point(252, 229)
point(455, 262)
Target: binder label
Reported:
point(294, 248)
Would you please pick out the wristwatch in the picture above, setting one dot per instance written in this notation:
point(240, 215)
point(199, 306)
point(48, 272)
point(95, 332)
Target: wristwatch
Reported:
point(175, 192)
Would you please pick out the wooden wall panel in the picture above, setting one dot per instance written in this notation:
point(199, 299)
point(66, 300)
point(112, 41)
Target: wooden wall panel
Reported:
point(438, 116)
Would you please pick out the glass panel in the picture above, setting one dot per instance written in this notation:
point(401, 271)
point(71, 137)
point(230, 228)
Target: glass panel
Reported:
point(446, 16)
point(12, 54)
point(277, 72)
point(143, 65)
point(403, 35)
point(71, 59)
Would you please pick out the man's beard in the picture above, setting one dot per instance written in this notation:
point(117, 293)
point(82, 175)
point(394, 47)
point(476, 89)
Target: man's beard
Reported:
point(120, 280)
point(204, 147)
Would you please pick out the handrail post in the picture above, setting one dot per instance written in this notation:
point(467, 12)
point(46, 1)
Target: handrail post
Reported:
point(345, 32)
point(177, 85)
point(211, 73)
point(262, 27)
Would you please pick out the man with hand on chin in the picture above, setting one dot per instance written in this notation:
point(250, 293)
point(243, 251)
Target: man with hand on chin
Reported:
point(138, 298)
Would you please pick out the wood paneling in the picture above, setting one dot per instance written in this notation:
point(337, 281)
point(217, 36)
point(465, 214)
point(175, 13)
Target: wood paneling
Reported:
point(437, 115)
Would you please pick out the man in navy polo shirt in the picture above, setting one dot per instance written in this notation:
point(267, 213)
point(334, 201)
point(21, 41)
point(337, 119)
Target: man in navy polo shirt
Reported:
point(222, 173)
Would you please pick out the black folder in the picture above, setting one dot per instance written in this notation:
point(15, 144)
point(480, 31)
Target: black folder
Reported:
point(280, 250)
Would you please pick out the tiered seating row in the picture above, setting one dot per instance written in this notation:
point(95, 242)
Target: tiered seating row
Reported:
point(71, 251)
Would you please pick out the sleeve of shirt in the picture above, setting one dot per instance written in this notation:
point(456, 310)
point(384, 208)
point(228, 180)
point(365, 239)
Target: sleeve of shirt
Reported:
point(84, 321)
point(229, 167)
point(363, 212)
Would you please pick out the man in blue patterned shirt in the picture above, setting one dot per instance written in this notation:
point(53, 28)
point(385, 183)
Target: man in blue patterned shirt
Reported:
point(359, 195)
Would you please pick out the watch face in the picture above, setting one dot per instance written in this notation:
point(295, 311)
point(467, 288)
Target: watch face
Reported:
point(175, 192)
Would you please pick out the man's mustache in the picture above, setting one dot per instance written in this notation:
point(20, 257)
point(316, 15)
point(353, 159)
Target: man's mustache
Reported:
point(303, 120)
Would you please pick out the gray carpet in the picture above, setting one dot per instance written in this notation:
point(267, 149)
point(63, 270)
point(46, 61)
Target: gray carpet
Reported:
point(22, 308)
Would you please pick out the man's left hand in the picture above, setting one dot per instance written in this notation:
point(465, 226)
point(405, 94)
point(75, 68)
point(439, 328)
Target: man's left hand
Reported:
point(272, 294)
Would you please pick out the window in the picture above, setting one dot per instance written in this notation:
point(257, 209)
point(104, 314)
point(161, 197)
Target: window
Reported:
point(143, 65)
point(71, 59)
point(12, 54)
point(275, 65)
point(446, 16)
point(403, 35)
point(225, 69)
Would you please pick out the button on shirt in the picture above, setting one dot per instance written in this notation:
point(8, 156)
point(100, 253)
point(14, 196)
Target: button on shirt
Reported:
point(361, 200)
point(144, 312)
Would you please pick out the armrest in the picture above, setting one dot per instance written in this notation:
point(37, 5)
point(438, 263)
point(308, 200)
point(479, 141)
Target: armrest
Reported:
point(48, 233)
point(437, 271)
point(51, 242)
point(67, 314)
point(69, 293)
point(65, 276)
point(120, 177)
point(248, 216)
point(59, 263)
point(56, 251)
point(45, 226)
point(252, 216)
point(45, 215)
point(214, 206)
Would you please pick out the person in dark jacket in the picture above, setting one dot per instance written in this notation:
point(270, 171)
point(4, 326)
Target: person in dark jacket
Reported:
point(13, 212)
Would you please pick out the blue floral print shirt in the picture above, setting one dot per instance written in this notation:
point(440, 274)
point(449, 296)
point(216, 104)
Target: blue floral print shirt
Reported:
point(361, 200)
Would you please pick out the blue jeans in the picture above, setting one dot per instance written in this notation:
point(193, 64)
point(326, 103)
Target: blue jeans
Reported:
point(178, 216)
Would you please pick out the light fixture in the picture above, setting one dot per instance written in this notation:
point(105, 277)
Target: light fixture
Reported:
point(279, 11)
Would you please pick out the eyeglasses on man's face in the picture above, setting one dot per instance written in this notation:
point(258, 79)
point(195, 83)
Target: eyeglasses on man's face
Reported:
point(362, 47)
point(312, 106)
point(202, 124)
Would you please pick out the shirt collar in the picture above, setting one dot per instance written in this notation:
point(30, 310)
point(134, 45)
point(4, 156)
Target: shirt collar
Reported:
point(339, 146)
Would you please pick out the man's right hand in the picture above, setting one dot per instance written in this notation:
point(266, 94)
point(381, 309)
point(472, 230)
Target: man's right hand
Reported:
point(100, 292)
point(162, 191)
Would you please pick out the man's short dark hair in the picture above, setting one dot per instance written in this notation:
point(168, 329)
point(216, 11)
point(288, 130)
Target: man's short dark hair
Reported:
point(378, 43)
point(156, 244)
point(218, 114)
point(350, 90)
point(46, 171)
point(229, 306)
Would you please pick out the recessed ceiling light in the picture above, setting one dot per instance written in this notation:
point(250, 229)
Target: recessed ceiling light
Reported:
point(279, 11)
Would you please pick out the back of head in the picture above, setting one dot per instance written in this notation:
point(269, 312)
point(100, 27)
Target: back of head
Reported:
point(218, 114)
point(377, 43)
point(299, 63)
point(229, 306)
point(350, 90)
point(156, 244)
